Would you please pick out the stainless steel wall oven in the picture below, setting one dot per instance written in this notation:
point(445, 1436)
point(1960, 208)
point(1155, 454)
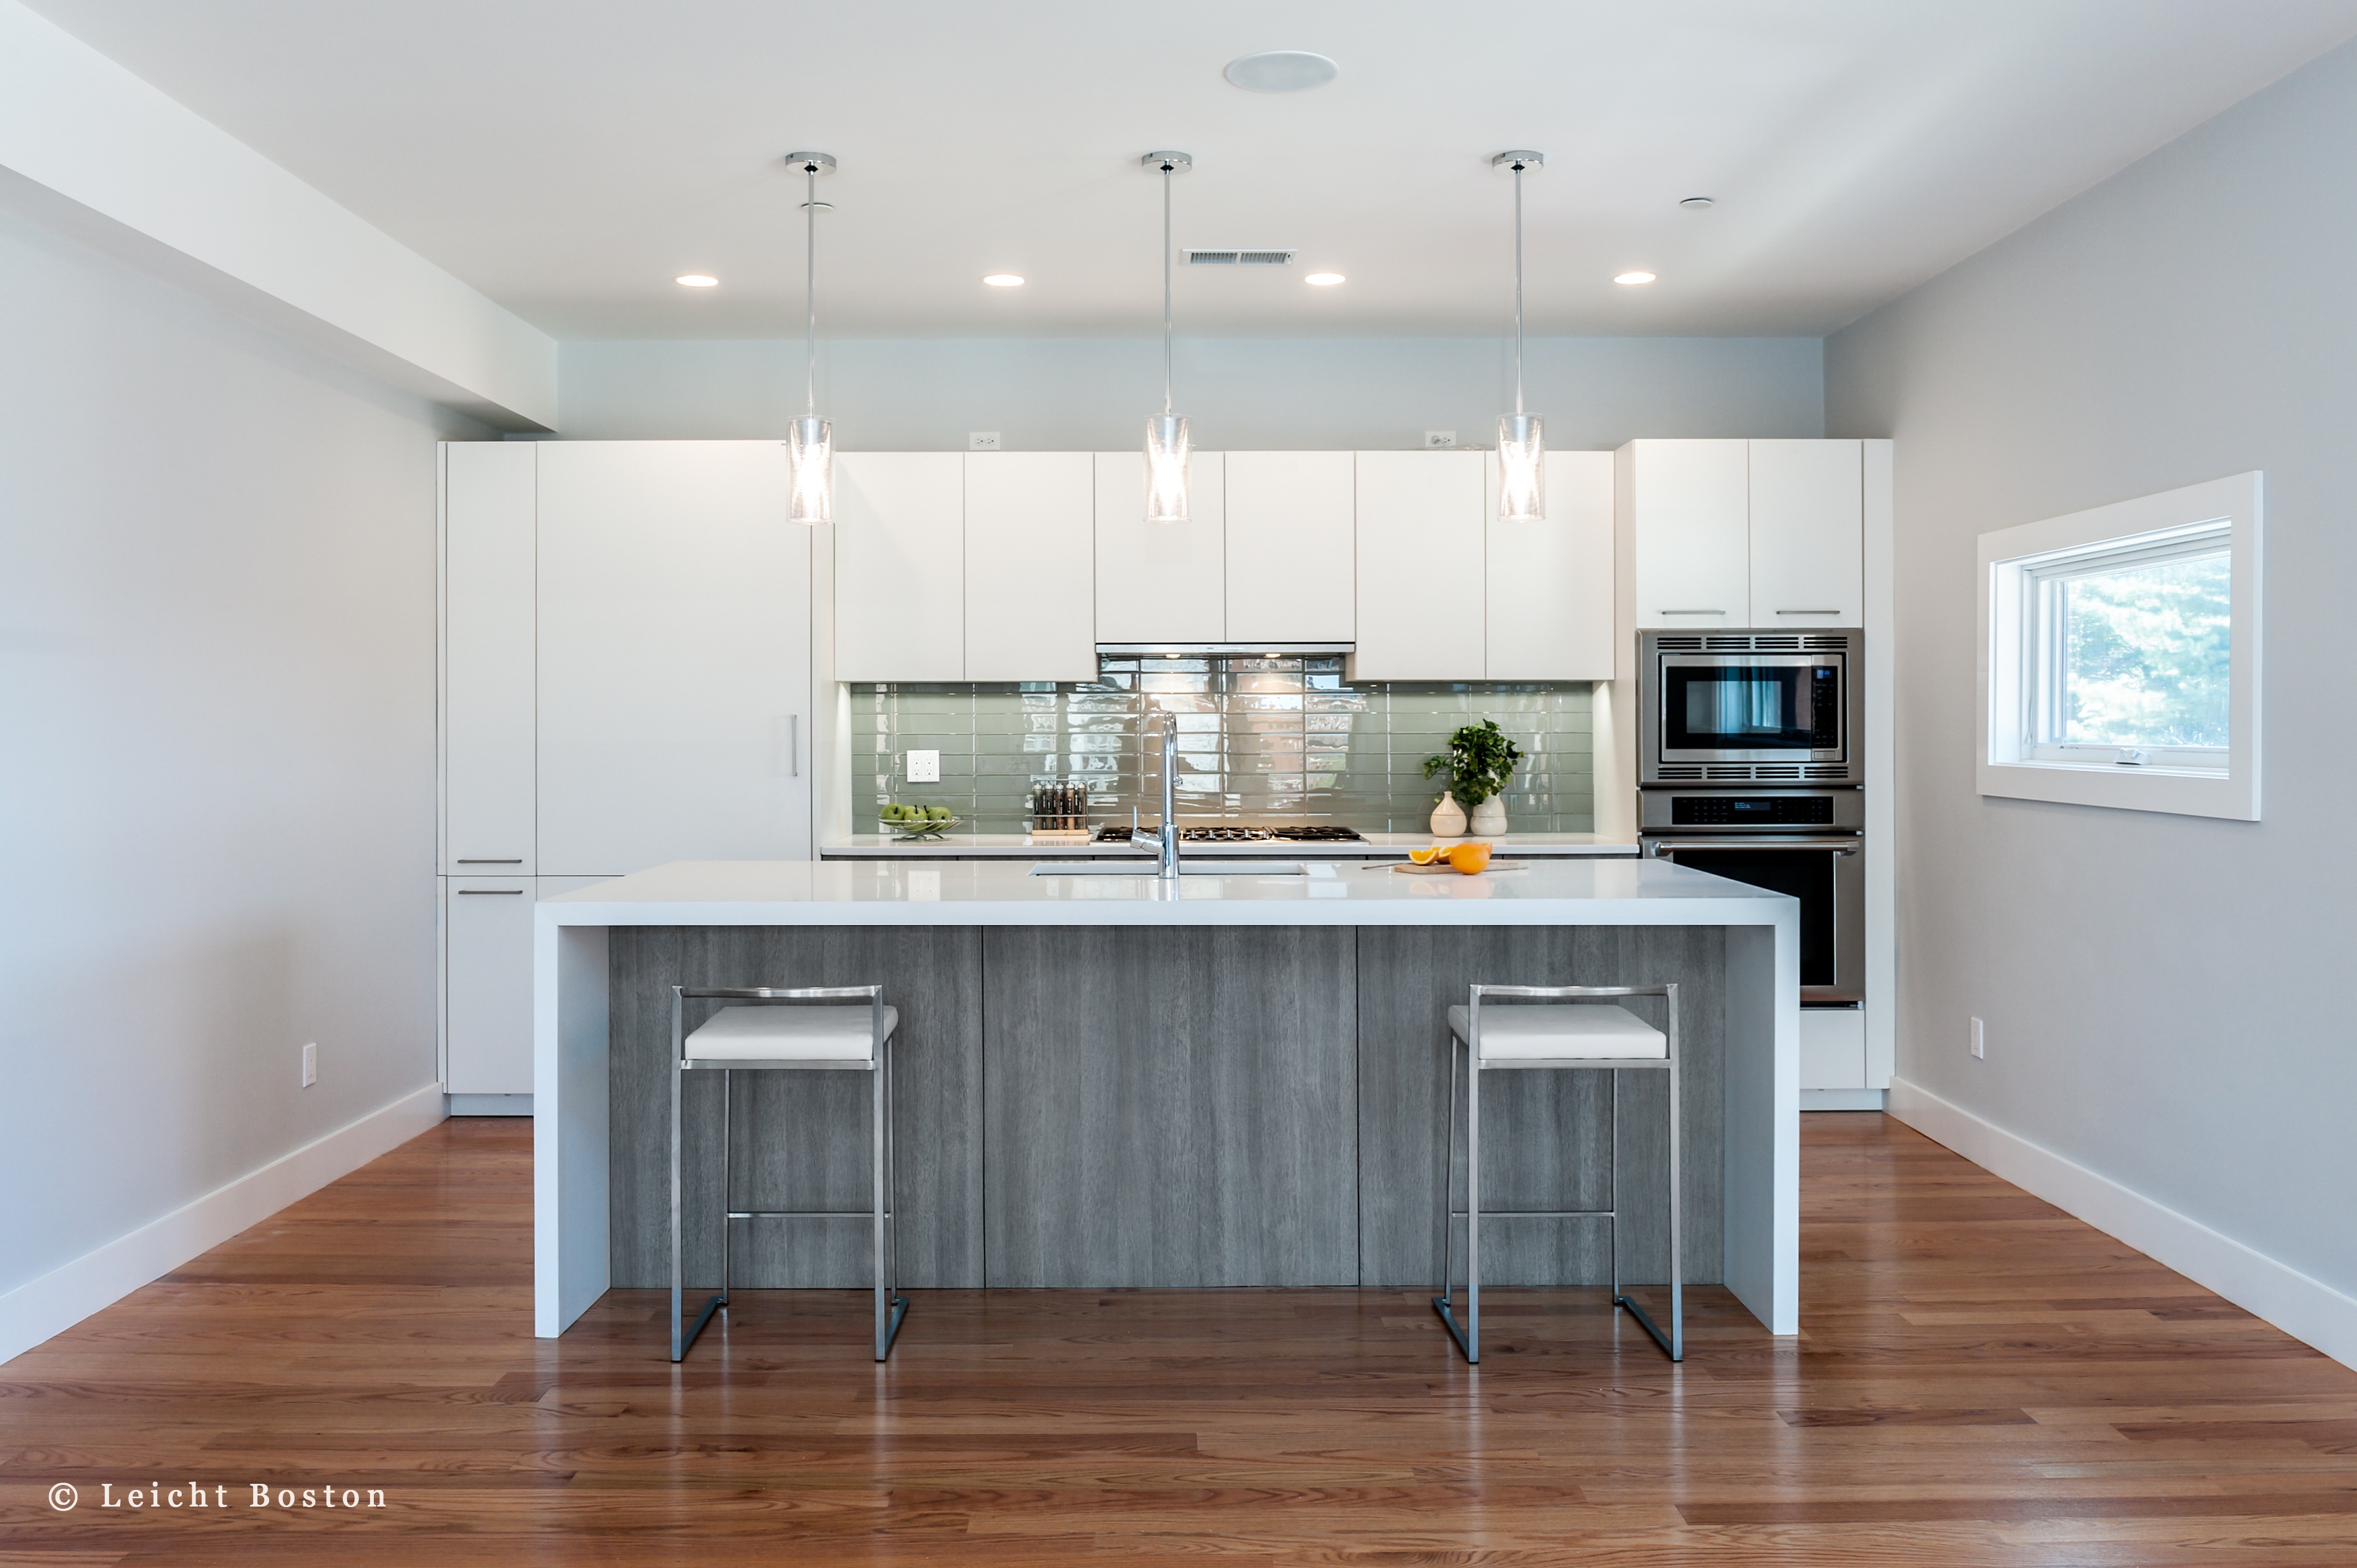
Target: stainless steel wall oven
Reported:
point(1810, 843)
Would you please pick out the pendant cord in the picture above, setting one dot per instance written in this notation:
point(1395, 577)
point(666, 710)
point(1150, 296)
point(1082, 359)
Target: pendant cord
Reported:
point(1166, 285)
point(1518, 289)
point(810, 291)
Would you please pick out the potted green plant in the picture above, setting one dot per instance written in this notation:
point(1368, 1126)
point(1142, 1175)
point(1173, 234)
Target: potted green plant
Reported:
point(1479, 764)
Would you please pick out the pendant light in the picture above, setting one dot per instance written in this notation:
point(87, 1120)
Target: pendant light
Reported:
point(810, 440)
point(1165, 433)
point(1521, 441)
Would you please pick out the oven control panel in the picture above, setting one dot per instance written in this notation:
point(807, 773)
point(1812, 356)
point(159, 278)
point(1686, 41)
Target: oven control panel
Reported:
point(1795, 810)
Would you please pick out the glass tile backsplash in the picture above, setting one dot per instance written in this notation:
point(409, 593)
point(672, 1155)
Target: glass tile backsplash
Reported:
point(1260, 740)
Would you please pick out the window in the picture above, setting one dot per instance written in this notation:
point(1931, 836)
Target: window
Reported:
point(2120, 650)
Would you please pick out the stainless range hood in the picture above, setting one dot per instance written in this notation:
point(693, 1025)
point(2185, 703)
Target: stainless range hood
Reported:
point(1224, 650)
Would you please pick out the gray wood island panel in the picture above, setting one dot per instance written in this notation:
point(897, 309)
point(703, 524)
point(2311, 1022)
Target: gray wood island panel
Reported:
point(1171, 1107)
point(802, 1139)
point(1547, 1137)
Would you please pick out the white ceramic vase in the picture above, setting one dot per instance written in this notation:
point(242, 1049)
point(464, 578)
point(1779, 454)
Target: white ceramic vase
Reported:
point(1490, 818)
point(1448, 818)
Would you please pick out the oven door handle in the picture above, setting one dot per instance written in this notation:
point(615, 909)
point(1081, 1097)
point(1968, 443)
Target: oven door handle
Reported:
point(1836, 846)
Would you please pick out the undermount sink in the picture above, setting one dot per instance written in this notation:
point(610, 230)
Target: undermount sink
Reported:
point(1145, 868)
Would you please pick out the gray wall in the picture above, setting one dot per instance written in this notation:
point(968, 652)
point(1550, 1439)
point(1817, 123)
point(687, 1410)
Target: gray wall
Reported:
point(2166, 997)
point(217, 784)
point(1080, 394)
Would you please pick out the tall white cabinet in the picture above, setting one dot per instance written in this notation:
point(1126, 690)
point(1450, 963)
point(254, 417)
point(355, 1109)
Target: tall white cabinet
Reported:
point(626, 680)
point(674, 697)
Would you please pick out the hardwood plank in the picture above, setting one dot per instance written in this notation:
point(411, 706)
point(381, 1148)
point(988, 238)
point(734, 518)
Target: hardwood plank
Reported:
point(1996, 1385)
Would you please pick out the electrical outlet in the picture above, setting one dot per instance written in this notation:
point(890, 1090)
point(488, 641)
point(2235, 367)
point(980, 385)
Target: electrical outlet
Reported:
point(1440, 438)
point(981, 441)
point(310, 1064)
point(1979, 1045)
point(924, 767)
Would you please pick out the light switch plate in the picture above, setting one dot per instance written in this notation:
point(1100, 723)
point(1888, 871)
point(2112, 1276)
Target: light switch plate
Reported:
point(1980, 1042)
point(981, 441)
point(310, 1064)
point(924, 767)
point(1440, 438)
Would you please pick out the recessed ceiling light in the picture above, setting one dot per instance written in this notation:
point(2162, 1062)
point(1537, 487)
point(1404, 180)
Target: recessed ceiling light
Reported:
point(1698, 203)
point(1324, 280)
point(1281, 70)
point(697, 280)
point(1633, 278)
point(1003, 280)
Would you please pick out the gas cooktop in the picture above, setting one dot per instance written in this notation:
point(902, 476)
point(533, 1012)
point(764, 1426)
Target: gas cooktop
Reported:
point(1224, 834)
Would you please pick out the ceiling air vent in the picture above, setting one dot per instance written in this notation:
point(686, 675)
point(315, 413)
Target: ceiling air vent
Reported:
point(1238, 258)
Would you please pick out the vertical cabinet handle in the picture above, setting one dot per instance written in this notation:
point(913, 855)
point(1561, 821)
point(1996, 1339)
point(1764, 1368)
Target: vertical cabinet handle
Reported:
point(793, 745)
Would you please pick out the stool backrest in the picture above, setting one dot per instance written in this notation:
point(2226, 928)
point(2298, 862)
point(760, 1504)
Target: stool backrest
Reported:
point(781, 997)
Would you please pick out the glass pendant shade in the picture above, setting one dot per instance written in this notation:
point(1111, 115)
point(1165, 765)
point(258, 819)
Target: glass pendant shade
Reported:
point(810, 453)
point(1521, 468)
point(1166, 468)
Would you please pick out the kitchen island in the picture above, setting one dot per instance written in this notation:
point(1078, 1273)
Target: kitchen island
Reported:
point(1110, 1080)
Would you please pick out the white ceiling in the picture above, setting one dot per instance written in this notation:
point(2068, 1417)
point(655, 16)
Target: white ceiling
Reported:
point(569, 157)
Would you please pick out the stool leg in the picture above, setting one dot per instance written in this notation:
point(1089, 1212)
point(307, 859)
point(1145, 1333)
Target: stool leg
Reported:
point(891, 1306)
point(678, 1347)
point(1677, 1251)
point(1612, 1186)
point(1449, 1180)
point(727, 1178)
point(1473, 1206)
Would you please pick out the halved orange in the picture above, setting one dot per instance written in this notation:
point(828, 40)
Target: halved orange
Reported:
point(1470, 858)
point(1426, 857)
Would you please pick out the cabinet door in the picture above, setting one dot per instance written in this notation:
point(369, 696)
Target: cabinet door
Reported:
point(899, 566)
point(1292, 543)
point(1807, 534)
point(1160, 581)
point(487, 655)
point(487, 925)
point(1030, 566)
point(1550, 615)
point(1691, 532)
point(1420, 567)
point(674, 656)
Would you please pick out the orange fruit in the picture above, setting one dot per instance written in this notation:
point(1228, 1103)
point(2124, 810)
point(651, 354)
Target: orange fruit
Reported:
point(1426, 857)
point(1470, 858)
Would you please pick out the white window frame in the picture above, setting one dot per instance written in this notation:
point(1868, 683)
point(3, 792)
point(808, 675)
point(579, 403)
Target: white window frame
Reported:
point(2020, 683)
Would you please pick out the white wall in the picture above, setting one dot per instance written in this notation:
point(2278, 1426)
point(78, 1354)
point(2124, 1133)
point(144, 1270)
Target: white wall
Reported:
point(217, 778)
point(2166, 997)
point(1093, 394)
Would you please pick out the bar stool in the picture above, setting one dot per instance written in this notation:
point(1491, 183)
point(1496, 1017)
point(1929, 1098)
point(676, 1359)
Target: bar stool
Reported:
point(812, 1029)
point(1525, 1037)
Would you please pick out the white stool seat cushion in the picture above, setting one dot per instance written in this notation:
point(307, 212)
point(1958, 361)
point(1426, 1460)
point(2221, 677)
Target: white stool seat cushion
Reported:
point(788, 1034)
point(1533, 1031)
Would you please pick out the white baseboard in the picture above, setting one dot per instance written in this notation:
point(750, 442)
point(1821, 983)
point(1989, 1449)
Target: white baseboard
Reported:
point(491, 1105)
point(41, 1308)
point(1842, 1100)
point(2307, 1309)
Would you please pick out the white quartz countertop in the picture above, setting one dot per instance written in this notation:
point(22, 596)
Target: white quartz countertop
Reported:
point(983, 893)
point(1018, 846)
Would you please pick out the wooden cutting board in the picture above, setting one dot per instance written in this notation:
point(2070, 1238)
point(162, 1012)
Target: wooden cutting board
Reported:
point(1442, 869)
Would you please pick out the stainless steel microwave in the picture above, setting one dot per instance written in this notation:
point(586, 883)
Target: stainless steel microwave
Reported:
point(1746, 707)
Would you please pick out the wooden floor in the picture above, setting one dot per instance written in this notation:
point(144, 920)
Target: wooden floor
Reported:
point(1981, 1380)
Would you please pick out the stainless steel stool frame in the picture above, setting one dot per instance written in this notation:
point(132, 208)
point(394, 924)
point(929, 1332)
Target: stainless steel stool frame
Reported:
point(891, 1306)
point(1468, 1335)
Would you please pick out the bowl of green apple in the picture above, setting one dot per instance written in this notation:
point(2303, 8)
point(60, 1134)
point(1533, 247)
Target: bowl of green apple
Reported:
point(918, 821)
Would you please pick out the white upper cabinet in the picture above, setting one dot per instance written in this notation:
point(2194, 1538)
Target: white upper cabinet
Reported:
point(1807, 539)
point(1420, 567)
point(674, 656)
point(1030, 566)
point(899, 566)
point(486, 656)
point(1290, 546)
point(1160, 582)
point(1688, 508)
point(1550, 582)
